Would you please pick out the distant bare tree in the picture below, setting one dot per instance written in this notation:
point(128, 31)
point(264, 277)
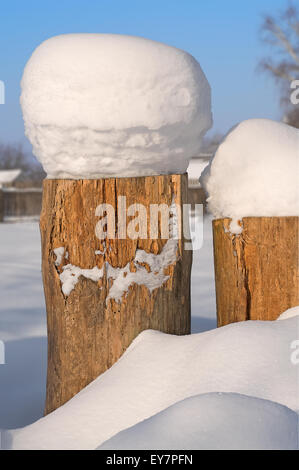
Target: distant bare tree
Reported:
point(13, 156)
point(281, 33)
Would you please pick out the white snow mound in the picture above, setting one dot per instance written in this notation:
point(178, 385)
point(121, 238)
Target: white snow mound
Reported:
point(104, 105)
point(158, 370)
point(255, 172)
point(213, 421)
point(289, 313)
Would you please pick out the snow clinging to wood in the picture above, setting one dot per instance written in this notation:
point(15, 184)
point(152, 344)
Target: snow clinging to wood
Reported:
point(70, 276)
point(59, 253)
point(104, 105)
point(149, 270)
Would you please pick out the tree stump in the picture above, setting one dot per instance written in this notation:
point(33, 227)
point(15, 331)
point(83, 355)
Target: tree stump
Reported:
point(91, 325)
point(256, 272)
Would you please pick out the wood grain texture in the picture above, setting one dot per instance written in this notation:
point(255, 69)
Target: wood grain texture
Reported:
point(256, 272)
point(86, 335)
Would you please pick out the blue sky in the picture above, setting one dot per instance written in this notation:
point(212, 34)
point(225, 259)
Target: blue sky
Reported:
point(223, 35)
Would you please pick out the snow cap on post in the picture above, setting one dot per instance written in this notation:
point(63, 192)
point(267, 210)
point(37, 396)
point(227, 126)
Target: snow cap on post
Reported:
point(103, 105)
point(254, 172)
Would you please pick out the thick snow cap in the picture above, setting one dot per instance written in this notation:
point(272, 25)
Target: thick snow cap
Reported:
point(255, 172)
point(103, 105)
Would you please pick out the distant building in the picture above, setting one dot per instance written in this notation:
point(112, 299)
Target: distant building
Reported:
point(196, 194)
point(8, 176)
point(195, 169)
point(17, 203)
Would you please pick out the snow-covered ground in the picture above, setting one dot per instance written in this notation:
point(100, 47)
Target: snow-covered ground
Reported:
point(213, 421)
point(251, 359)
point(22, 325)
point(23, 318)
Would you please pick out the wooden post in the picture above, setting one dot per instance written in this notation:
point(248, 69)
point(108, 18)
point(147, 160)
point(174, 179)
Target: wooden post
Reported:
point(88, 328)
point(256, 272)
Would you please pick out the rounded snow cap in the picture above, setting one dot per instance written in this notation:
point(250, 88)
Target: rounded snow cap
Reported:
point(254, 172)
point(104, 105)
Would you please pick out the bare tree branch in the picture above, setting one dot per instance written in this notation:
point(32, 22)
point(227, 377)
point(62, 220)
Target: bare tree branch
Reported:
point(291, 16)
point(13, 157)
point(281, 71)
point(281, 33)
point(282, 38)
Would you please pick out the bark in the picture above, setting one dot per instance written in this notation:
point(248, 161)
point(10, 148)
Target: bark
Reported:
point(256, 272)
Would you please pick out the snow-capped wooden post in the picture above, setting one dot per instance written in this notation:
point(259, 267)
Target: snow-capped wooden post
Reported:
point(101, 294)
point(252, 188)
point(256, 271)
point(115, 131)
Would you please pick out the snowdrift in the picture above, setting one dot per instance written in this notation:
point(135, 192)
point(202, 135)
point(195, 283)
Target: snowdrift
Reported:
point(159, 370)
point(213, 421)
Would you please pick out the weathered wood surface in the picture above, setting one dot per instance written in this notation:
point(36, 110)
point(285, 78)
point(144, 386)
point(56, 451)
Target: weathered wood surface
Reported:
point(197, 196)
point(256, 272)
point(86, 334)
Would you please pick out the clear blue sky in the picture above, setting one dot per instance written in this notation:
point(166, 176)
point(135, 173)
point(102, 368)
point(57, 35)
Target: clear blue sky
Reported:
point(223, 35)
